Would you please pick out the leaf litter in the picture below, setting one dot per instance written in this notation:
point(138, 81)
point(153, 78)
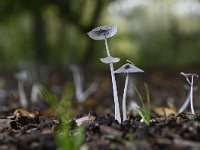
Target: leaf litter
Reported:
point(24, 129)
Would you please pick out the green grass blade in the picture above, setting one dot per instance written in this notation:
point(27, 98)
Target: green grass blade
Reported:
point(140, 97)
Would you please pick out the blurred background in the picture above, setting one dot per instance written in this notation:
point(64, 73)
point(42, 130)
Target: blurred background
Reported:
point(151, 33)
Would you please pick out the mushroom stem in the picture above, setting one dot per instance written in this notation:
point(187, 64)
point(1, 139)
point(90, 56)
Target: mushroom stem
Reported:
point(35, 93)
point(116, 101)
point(191, 96)
point(124, 98)
point(78, 82)
point(183, 107)
point(107, 50)
point(22, 95)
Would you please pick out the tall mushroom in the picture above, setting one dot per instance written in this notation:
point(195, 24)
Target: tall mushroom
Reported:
point(102, 33)
point(126, 68)
point(191, 78)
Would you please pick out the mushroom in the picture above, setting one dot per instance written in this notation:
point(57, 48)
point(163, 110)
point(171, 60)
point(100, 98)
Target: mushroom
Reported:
point(191, 78)
point(78, 78)
point(22, 76)
point(102, 33)
point(185, 104)
point(126, 68)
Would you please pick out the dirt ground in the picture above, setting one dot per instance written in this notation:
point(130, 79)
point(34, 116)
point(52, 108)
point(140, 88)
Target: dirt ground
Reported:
point(34, 127)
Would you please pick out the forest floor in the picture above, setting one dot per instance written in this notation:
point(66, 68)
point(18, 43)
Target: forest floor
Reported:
point(35, 127)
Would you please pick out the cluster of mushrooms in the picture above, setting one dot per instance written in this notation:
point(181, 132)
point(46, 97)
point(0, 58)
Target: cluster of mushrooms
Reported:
point(103, 33)
point(107, 31)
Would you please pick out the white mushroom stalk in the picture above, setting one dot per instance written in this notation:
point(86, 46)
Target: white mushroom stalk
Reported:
point(36, 93)
point(22, 94)
point(191, 79)
point(126, 68)
point(102, 33)
point(78, 78)
point(124, 99)
point(130, 88)
point(22, 76)
point(185, 104)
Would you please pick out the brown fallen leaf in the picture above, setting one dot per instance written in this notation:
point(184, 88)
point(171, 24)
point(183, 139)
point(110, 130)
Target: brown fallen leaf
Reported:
point(164, 111)
point(24, 117)
point(85, 120)
point(24, 113)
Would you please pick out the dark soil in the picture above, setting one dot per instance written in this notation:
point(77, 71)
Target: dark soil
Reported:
point(34, 127)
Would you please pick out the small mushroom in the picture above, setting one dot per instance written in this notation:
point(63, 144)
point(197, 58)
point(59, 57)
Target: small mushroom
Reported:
point(109, 60)
point(191, 79)
point(126, 68)
point(78, 78)
point(22, 76)
point(187, 101)
point(102, 32)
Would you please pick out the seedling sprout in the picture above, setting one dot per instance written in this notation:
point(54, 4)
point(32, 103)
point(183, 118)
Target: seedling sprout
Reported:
point(102, 33)
point(126, 68)
point(191, 79)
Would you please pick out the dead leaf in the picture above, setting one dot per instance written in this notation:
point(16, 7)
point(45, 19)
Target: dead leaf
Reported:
point(24, 117)
point(85, 120)
point(164, 111)
point(24, 113)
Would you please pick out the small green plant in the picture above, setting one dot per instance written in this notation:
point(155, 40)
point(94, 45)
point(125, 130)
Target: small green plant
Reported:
point(144, 111)
point(66, 138)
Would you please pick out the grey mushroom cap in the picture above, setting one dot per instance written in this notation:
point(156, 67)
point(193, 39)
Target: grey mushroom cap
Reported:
point(189, 74)
point(102, 32)
point(108, 60)
point(22, 75)
point(128, 68)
